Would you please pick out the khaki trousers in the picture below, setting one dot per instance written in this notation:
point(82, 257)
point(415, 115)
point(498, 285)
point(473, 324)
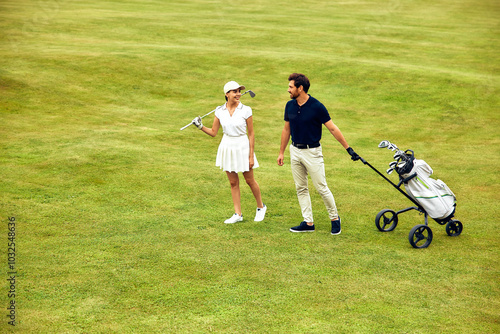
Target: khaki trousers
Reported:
point(310, 161)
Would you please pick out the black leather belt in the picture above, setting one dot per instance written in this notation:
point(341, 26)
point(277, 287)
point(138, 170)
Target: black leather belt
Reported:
point(302, 146)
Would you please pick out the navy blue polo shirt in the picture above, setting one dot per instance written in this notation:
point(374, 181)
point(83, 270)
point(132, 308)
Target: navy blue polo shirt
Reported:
point(306, 121)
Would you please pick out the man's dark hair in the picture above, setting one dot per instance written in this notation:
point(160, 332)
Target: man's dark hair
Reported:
point(300, 80)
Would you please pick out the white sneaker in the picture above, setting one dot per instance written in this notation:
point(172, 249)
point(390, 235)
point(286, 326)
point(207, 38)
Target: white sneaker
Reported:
point(260, 214)
point(234, 219)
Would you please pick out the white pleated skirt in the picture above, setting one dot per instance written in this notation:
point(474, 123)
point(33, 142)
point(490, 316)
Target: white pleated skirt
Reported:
point(233, 153)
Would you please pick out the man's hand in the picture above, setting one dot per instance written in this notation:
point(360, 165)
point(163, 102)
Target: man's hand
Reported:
point(354, 155)
point(197, 122)
point(281, 157)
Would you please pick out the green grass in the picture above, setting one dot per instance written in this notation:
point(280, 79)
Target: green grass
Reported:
point(119, 214)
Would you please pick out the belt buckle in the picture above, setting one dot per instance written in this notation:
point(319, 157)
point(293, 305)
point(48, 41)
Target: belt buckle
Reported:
point(304, 146)
point(301, 146)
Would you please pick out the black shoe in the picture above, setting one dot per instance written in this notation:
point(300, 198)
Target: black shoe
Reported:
point(336, 227)
point(303, 227)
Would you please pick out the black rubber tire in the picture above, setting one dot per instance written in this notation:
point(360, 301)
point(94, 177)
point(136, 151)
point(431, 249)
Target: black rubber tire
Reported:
point(384, 218)
point(420, 236)
point(454, 228)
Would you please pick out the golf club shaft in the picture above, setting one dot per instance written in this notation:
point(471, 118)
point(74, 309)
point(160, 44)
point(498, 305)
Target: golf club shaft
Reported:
point(213, 111)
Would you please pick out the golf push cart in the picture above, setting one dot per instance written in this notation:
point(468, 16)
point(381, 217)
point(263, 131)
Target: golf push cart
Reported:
point(431, 197)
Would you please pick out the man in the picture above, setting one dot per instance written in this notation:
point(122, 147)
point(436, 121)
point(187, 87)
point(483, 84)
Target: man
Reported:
point(304, 117)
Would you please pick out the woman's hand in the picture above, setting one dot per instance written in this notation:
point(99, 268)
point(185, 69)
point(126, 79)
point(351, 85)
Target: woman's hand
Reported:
point(197, 122)
point(251, 161)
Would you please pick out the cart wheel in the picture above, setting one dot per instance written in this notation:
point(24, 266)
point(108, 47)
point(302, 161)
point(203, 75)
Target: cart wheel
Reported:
point(386, 220)
point(454, 228)
point(420, 236)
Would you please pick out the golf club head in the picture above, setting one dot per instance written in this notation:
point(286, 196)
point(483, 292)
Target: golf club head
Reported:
point(401, 164)
point(398, 155)
point(383, 144)
point(390, 170)
point(393, 164)
point(252, 94)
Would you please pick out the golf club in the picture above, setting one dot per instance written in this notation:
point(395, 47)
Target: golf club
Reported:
point(401, 164)
point(390, 170)
point(393, 164)
point(252, 94)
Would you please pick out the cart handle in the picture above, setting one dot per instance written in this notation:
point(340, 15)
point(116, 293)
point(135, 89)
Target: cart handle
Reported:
point(392, 183)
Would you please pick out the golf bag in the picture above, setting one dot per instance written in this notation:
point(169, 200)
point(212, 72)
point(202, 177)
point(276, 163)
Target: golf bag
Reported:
point(433, 195)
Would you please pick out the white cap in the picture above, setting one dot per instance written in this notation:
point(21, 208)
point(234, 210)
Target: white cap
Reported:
point(232, 85)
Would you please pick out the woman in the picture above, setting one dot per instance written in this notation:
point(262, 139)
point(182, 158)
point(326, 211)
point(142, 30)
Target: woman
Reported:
point(236, 150)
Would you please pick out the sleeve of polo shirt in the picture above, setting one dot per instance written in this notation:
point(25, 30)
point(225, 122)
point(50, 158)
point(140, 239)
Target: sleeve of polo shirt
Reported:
point(217, 112)
point(286, 113)
point(248, 112)
point(324, 116)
